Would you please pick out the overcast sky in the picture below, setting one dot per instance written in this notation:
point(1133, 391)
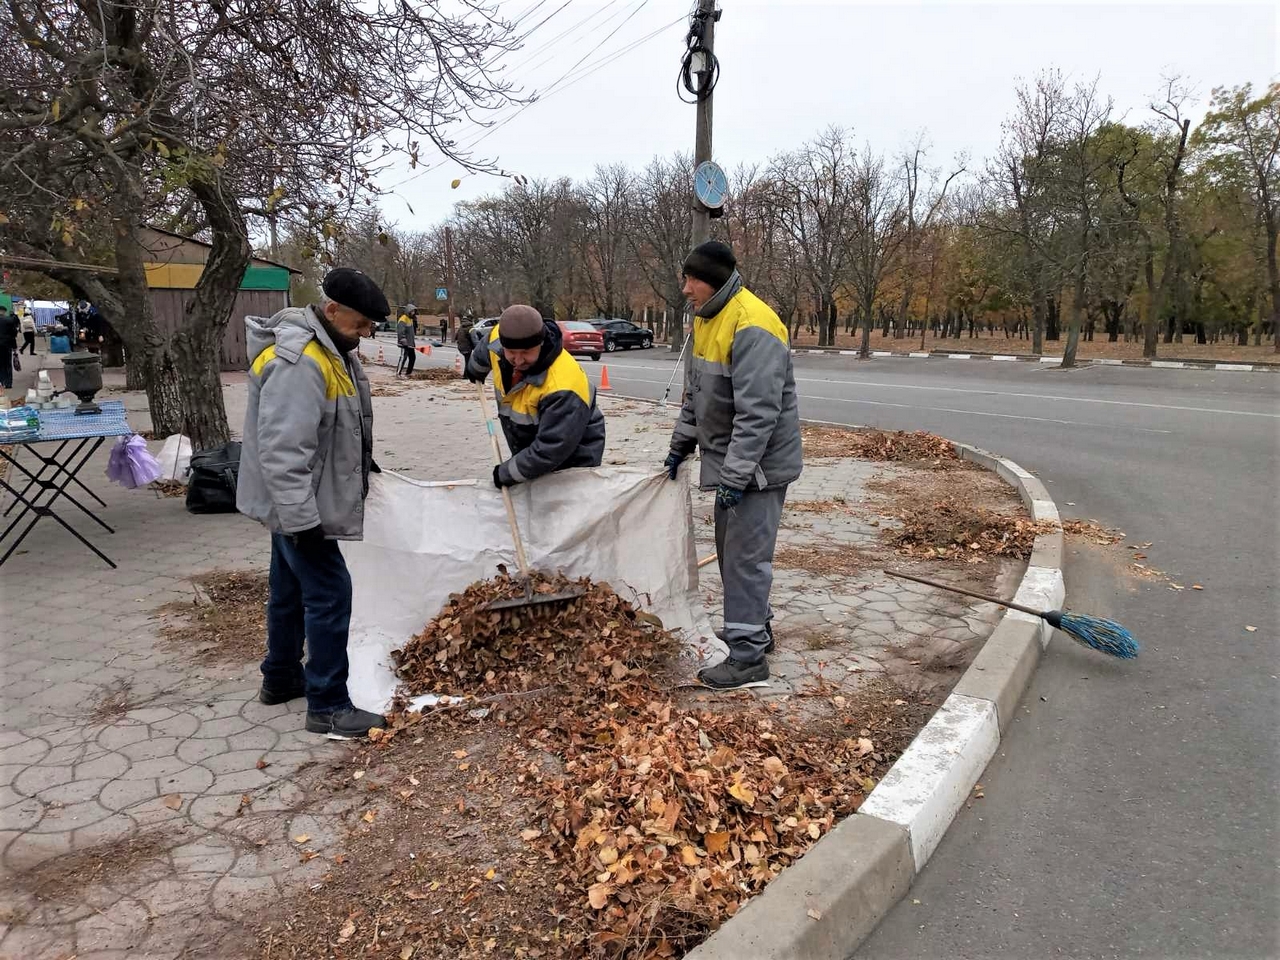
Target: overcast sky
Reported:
point(790, 69)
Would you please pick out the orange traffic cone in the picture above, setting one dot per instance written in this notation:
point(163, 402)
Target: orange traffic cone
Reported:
point(604, 379)
point(457, 364)
point(381, 357)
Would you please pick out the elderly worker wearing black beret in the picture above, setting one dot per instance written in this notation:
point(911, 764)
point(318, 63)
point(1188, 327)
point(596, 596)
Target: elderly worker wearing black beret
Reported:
point(304, 474)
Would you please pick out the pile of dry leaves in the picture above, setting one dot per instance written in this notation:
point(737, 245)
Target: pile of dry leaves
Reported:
point(467, 650)
point(437, 375)
point(917, 447)
point(655, 821)
point(954, 529)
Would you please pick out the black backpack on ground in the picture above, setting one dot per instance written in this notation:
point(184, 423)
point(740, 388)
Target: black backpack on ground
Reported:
point(211, 486)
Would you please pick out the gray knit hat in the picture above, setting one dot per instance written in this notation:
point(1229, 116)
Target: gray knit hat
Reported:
point(520, 327)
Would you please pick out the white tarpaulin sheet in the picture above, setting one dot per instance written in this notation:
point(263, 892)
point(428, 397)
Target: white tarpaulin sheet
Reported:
point(424, 541)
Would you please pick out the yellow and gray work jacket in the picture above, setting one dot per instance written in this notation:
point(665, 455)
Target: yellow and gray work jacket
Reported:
point(550, 417)
point(308, 429)
point(740, 395)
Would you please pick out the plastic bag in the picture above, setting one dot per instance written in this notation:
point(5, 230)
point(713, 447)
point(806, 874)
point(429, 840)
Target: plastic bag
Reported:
point(175, 458)
point(131, 465)
point(18, 424)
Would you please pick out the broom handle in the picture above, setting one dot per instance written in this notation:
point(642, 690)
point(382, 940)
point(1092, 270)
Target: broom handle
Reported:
point(706, 560)
point(506, 493)
point(968, 593)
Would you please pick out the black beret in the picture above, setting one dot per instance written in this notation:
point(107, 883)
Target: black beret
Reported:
point(353, 289)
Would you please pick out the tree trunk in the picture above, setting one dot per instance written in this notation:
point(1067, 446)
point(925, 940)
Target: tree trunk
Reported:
point(832, 321)
point(131, 314)
point(1273, 280)
point(1074, 316)
point(864, 348)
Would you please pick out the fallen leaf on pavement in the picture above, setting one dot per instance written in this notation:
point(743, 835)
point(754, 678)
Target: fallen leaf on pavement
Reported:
point(814, 914)
point(1251, 629)
point(262, 764)
point(369, 815)
point(302, 838)
point(173, 801)
point(345, 934)
point(357, 775)
point(532, 833)
point(1196, 586)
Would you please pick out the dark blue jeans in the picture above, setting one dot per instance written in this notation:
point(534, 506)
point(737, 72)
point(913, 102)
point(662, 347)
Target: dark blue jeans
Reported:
point(311, 598)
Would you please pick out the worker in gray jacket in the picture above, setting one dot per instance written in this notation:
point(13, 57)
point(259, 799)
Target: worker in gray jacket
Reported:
point(740, 410)
point(304, 474)
point(546, 404)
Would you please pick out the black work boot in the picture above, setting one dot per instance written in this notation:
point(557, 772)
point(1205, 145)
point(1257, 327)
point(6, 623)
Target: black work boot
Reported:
point(348, 723)
point(271, 696)
point(729, 674)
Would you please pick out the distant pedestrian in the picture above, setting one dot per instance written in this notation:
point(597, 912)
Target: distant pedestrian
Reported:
point(28, 324)
point(444, 330)
point(464, 341)
point(405, 338)
point(8, 346)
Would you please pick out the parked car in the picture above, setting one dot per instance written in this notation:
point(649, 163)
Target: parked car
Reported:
point(624, 334)
point(581, 338)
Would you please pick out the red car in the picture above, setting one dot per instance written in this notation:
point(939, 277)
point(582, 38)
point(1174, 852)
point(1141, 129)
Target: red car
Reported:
point(581, 338)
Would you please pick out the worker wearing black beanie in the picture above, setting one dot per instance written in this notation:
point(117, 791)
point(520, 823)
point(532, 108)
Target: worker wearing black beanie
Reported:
point(740, 410)
point(712, 262)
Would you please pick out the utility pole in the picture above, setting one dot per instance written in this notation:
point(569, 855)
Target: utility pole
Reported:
point(448, 274)
point(698, 72)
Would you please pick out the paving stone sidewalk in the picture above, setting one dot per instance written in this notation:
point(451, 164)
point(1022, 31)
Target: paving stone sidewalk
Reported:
point(147, 801)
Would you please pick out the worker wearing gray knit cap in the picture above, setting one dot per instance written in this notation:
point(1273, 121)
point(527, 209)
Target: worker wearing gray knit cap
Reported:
point(546, 404)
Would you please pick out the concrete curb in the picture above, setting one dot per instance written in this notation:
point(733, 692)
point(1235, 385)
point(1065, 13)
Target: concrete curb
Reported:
point(857, 872)
point(1261, 366)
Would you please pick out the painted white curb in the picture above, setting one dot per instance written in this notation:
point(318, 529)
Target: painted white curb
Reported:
point(928, 785)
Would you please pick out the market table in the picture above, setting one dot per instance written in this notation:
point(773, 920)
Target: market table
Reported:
point(78, 438)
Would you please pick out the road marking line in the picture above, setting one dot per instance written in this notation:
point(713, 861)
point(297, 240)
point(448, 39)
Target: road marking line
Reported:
point(912, 406)
point(1004, 393)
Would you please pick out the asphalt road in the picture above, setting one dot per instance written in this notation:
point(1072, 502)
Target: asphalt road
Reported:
point(1132, 810)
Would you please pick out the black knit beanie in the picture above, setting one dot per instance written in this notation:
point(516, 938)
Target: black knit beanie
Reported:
point(712, 262)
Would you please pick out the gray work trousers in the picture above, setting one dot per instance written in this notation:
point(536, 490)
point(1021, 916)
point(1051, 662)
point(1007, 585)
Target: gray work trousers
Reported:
point(745, 538)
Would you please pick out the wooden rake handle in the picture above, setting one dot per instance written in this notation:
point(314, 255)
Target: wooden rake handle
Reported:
point(506, 493)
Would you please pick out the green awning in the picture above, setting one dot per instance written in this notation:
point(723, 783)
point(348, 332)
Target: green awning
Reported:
point(6, 301)
point(265, 278)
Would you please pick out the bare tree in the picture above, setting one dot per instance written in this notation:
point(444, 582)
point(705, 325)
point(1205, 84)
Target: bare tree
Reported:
point(660, 228)
point(1083, 154)
point(814, 203)
point(928, 197)
point(1020, 179)
point(876, 235)
point(1163, 166)
point(607, 211)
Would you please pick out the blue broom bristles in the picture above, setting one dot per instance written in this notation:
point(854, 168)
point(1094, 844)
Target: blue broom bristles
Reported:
point(1099, 633)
